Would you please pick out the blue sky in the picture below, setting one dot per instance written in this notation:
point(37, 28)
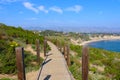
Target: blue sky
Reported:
point(61, 13)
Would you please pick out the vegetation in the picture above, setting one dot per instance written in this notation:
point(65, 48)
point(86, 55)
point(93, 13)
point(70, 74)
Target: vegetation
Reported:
point(51, 33)
point(11, 37)
point(60, 39)
point(6, 79)
point(103, 65)
point(12, 33)
point(30, 62)
point(64, 38)
point(82, 36)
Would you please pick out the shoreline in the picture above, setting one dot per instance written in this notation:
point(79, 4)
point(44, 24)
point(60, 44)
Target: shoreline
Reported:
point(97, 40)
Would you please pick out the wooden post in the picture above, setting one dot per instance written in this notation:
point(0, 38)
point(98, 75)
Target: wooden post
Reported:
point(45, 45)
point(38, 50)
point(85, 63)
point(57, 43)
point(20, 63)
point(60, 48)
point(27, 41)
point(64, 51)
point(68, 55)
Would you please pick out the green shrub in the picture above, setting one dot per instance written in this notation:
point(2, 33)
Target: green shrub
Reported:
point(6, 79)
point(14, 37)
point(97, 57)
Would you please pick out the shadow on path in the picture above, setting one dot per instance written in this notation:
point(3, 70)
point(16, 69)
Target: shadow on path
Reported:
point(47, 77)
point(46, 62)
point(42, 65)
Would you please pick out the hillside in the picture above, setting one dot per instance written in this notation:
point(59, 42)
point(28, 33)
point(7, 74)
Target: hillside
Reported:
point(103, 64)
point(12, 33)
point(11, 37)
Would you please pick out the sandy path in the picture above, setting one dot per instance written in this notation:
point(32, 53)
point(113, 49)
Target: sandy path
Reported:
point(29, 76)
point(8, 76)
point(73, 53)
point(32, 75)
point(29, 48)
point(55, 67)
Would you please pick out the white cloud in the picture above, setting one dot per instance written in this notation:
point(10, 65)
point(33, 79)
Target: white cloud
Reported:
point(56, 9)
point(30, 6)
point(76, 8)
point(42, 8)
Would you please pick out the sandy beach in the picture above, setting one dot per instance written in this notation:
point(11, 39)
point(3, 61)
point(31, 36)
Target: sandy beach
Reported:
point(100, 39)
point(95, 39)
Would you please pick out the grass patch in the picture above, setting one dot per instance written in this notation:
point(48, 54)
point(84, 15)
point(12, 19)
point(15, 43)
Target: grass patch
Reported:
point(31, 62)
point(6, 79)
point(97, 57)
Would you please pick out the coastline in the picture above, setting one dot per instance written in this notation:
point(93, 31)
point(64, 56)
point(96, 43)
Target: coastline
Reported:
point(98, 39)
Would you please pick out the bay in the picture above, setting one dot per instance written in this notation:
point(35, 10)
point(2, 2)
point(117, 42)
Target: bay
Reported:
point(111, 45)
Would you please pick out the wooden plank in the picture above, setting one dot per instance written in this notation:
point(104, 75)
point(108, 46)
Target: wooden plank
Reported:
point(60, 48)
point(64, 51)
point(20, 63)
point(57, 43)
point(85, 69)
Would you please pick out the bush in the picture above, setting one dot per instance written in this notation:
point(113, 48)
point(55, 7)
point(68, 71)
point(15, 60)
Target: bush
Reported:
point(7, 47)
point(8, 60)
point(98, 57)
point(6, 79)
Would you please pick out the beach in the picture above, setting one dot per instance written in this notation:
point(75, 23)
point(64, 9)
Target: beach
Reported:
point(95, 39)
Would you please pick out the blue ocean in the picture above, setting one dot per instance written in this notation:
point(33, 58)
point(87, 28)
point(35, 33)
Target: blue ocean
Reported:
point(111, 45)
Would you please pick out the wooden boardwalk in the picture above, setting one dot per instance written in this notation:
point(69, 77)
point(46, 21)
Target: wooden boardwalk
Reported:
point(55, 67)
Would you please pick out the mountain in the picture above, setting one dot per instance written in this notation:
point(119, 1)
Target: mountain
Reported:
point(77, 29)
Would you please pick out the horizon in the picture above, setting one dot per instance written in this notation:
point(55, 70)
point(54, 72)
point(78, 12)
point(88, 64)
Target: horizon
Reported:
point(69, 15)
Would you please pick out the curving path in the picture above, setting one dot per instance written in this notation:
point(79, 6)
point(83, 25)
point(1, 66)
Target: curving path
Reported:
point(54, 67)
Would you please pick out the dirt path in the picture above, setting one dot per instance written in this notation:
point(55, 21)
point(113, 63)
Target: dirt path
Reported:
point(29, 76)
point(29, 48)
point(73, 53)
point(8, 76)
point(55, 67)
point(32, 75)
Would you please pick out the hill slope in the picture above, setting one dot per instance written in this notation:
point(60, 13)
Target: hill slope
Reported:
point(11, 37)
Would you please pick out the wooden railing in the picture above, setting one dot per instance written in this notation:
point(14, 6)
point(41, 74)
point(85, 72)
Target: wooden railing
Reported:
point(20, 63)
point(85, 58)
point(20, 59)
point(66, 52)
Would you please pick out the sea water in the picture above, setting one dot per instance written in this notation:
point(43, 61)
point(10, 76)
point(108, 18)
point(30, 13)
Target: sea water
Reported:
point(111, 45)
